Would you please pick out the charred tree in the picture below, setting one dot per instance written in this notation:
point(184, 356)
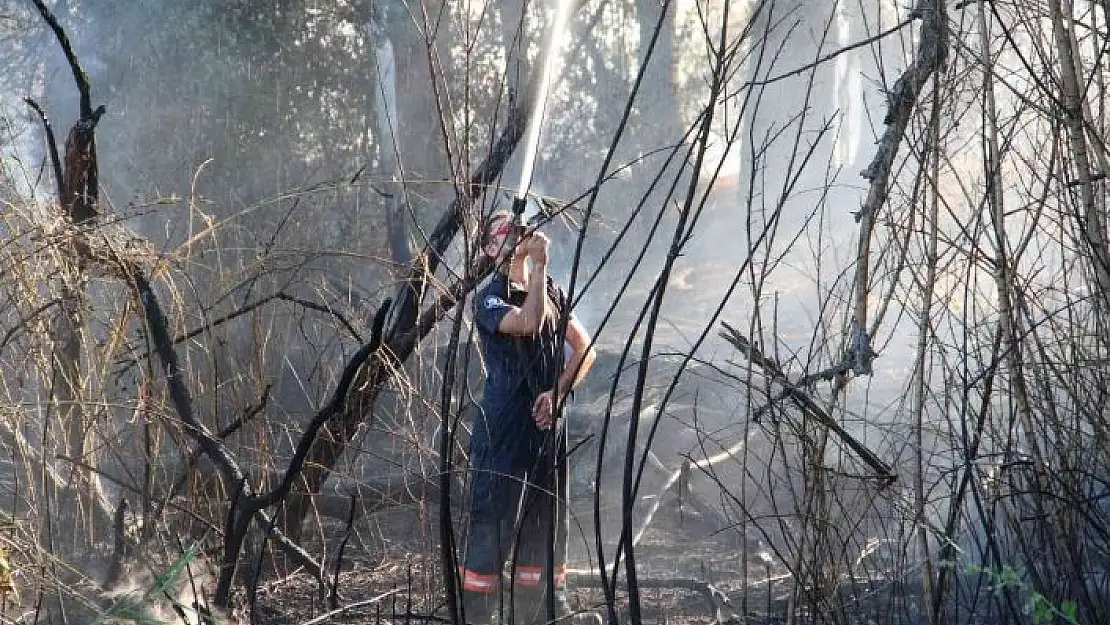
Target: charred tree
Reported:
point(78, 198)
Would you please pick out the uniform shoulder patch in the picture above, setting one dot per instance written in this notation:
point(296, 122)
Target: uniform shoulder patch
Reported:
point(492, 302)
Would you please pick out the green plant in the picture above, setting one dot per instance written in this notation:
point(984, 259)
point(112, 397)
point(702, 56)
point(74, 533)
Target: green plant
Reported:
point(136, 608)
point(1040, 608)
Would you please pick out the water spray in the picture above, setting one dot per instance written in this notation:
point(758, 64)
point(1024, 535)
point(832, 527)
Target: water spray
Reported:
point(520, 202)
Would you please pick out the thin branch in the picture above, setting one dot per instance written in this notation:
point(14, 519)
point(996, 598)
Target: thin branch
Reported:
point(280, 295)
point(832, 55)
point(324, 308)
point(78, 74)
point(51, 145)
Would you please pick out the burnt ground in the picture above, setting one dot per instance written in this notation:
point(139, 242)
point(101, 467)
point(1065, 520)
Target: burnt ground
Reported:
point(394, 553)
point(393, 557)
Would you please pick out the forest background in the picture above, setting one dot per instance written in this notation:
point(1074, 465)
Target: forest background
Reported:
point(846, 264)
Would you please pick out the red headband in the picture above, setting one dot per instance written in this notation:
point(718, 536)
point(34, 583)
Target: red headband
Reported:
point(505, 227)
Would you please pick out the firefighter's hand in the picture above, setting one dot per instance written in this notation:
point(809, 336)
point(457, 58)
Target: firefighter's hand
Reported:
point(542, 410)
point(536, 245)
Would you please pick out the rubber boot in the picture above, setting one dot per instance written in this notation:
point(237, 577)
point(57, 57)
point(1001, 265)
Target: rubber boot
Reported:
point(478, 607)
point(530, 608)
point(525, 606)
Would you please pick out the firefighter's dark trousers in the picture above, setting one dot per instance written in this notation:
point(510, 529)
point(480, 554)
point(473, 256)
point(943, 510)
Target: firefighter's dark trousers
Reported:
point(517, 518)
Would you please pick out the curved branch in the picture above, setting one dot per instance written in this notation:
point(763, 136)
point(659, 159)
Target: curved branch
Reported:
point(334, 407)
point(127, 363)
point(51, 144)
point(324, 308)
point(78, 73)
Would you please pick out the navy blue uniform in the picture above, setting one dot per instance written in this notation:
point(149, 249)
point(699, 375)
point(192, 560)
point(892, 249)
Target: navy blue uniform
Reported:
point(517, 471)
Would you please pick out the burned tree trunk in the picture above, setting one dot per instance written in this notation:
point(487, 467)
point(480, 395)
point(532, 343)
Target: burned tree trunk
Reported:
point(78, 196)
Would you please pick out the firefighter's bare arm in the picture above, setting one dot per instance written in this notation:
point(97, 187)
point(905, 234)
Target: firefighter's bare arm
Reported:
point(528, 318)
point(582, 356)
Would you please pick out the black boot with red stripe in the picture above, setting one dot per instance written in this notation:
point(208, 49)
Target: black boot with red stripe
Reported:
point(478, 607)
point(530, 608)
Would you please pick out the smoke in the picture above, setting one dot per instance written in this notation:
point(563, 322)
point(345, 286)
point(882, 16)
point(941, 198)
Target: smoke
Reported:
point(161, 592)
point(281, 105)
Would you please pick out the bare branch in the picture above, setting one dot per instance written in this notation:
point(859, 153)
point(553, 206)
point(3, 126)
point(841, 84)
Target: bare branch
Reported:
point(51, 145)
point(882, 470)
point(932, 51)
point(78, 73)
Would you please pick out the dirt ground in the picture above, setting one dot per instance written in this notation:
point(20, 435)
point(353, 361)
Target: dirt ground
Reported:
point(392, 559)
point(392, 567)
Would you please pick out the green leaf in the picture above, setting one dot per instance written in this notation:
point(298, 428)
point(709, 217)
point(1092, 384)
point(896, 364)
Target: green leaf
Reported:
point(1042, 609)
point(1071, 611)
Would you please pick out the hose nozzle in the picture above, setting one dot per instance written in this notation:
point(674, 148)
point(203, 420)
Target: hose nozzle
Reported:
point(519, 205)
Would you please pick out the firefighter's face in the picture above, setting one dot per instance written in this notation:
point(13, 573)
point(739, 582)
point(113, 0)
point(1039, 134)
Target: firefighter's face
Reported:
point(499, 232)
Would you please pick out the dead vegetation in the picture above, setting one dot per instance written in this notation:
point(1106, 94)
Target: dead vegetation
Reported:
point(797, 417)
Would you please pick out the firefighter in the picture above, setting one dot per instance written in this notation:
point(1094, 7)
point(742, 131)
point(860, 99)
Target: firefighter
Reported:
point(518, 463)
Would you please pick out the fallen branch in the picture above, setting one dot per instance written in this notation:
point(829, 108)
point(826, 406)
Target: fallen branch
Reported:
point(806, 403)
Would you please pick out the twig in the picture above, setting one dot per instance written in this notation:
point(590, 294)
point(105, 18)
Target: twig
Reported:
point(351, 606)
point(23, 322)
point(51, 145)
point(832, 55)
point(182, 402)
